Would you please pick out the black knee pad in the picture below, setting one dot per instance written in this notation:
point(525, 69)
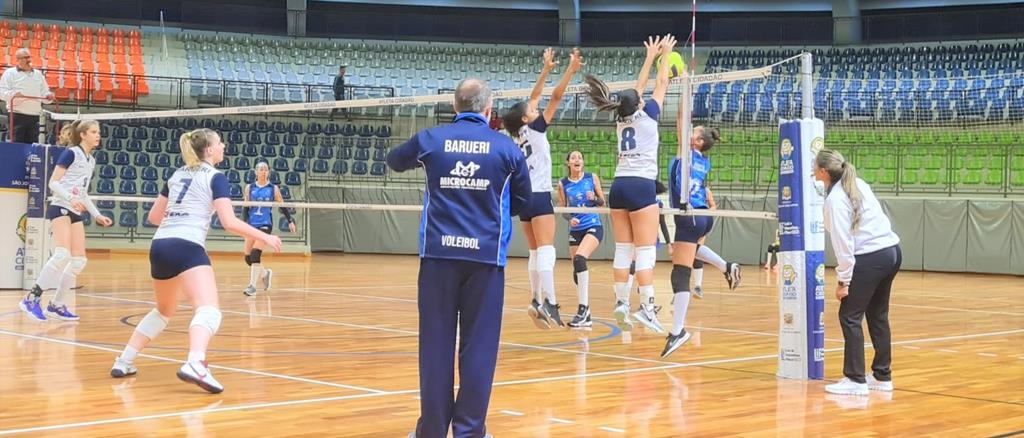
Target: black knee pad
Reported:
point(579, 263)
point(680, 278)
point(256, 256)
point(248, 261)
point(697, 264)
point(632, 268)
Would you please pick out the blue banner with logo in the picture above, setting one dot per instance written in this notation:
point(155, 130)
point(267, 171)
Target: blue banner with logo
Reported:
point(13, 218)
point(802, 252)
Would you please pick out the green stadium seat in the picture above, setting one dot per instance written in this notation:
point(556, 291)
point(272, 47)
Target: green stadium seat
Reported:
point(974, 162)
point(965, 138)
point(933, 178)
point(869, 176)
point(972, 177)
point(725, 176)
point(934, 162)
point(871, 162)
point(747, 175)
point(996, 162)
point(912, 162)
point(887, 177)
point(994, 178)
point(1017, 163)
point(986, 138)
point(908, 177)
point(887, 137)
point(1017, 180)
point(1005, 138)
point(942, 138)
point(907, 138)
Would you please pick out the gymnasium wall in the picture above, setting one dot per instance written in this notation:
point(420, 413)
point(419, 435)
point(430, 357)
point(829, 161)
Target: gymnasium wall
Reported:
point(938, 234)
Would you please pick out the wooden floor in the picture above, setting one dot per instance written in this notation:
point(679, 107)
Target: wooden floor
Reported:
point(331, 351)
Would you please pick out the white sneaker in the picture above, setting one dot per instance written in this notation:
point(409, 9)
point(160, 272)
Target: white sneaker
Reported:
point(878, 385)
point(621, 314)
point(266, 279)
point(648, 316)
point(122, 368)
point(198, 373)
point(847, 387)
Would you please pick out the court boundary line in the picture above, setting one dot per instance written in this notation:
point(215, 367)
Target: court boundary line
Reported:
point(167, 359)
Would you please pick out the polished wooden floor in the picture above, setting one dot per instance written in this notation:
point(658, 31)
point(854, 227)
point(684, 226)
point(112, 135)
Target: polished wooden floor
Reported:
point(331, 351)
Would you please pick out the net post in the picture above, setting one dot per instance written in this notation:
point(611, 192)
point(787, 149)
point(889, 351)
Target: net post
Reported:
point(42, 127)
point(685, 130)
point(807, 85)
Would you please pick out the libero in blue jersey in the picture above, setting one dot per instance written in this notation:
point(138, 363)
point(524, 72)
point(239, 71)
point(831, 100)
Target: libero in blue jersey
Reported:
point(261, 190)
point(581, 193)
point(477, 179)
point(697, 196)
point(581, 189)
point(260, 216)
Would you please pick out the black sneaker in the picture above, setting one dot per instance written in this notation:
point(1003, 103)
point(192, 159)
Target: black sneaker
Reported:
point(582, 318)
point(732, 275)
point(539, 318)
point(673, 342)
point(551, 311)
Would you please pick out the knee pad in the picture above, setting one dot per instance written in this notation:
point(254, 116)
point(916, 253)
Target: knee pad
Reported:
point(546, 258)
point(623, 255)
point(680, 278)
point(207, 317)
point(531, 263)
point(646, 256)
point(248, 261)
point(698, 264)
point(256, 256)
point(77, 264)
point(579, 264)
point(60, 258)
point(152, 324)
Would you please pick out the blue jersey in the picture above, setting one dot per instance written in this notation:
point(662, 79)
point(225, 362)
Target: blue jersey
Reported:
point(260, 216)
point(576, 196)
point(477, 179)
point(699, 169)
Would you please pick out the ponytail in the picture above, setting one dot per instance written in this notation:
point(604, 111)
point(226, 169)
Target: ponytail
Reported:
point(193, 146)
point(598, 93)
point(64, 139)
point(849, 181)
point(79, 127)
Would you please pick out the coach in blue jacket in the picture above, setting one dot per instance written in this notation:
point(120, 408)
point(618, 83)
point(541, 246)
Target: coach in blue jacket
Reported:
point(477, 180)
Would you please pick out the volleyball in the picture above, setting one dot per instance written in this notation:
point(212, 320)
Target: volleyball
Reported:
point(675, 64)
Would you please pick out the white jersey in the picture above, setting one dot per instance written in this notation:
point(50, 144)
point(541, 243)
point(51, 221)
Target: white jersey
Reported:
point(533, 141)
point(190, 194)
point(76, 179)
point(638, 143)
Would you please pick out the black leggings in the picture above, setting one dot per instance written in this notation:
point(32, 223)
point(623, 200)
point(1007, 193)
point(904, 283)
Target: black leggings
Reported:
point(870, 287)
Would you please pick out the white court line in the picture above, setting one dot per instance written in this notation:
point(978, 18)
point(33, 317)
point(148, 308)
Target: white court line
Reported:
point(946, 350)
point(400, 331)
point(559, 420)
point(951, 309)
point(911, 347)
point(512, 413)
point(988, 354)
point(167, 359)
point(612, 429)
point(368, 395)
point(949, 338)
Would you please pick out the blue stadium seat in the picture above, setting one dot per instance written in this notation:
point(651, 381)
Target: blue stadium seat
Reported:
point(167, 173)
point(114, 145)
point(278, 127)
point(332, 129)
point(140, 134)
point(173, 147)
point(325, 153)
point(292, 179)
point(154, 146)
point(379, 154)
point(101, 157)
point(254, 137)
point(249, 150)
point(120, 132)
point(275, 178)
point(233, 176)
point(242, 163)
point(349, 130)
point(273, 138)
point(362, 154)
point(149, 188)
point(310, 140)
point(314, 128)
point(129, 219)
point(235, 191)
point(209, 124)
point(288, 151)
point(105, 186)
point(286, 193)
point(249, 177)
point(307, 152)
point(383, 131)
point(223, 165)
point(121, 158)
point(215, 223)
point(291, 139)
point(150, 173)
point(127, 187)
point(282, 224)
point(360, 168)
point(142, 160)
point(320, 166)
point(300, 165)
point(363, 143)
point(108, 171)
point(160, 134)
point(340, 167)
point(380, 143)
point(261, 126)
point(295, 128)
point(231, 150)
point(128, 172)
point(235, 137)
point(134, 146)
point(281, 165)
point(345, 153)
point(377, 169)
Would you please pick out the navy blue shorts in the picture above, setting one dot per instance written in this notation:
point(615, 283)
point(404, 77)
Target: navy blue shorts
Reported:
point(691, 228)
point(56, 211)
point(170, 257)
point(632, 193)
point(540, 205)
point(576, 237)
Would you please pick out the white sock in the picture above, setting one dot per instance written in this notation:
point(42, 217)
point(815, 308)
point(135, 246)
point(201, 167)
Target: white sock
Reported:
point(583, 287)
point(546, 269)
point(647, 294)
point(629, 284)
point(129, 354)
point(698, 277)
point(622, 292)
point(255, 272)
point(531, 266)
point(708, 256)
point(66, 287)
point(768, 258)
point(679, 303)
point(196, 356)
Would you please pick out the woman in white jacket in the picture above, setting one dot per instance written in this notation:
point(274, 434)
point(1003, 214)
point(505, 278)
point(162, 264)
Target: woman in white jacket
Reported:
point(868, 258)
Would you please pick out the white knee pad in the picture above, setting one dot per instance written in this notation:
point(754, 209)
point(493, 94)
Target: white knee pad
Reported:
point(546, 258)
point(77, 264)
point(646, 256)
point(207, 317)
point(531, 263)
point(60, 258)
point(152, 324)
point(623, 255)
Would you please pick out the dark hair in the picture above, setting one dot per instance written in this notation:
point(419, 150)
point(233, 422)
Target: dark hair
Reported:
point(567, 156)
point(660, 187)
point(710, 137)
point(625, 105)
point(513, 118)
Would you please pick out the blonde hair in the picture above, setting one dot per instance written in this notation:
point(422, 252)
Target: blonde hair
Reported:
point(64, 139)
point(193, 146)
point(842, 171)
point(77, 128)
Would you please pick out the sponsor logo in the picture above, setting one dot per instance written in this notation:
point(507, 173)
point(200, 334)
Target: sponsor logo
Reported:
point(787, 193)
point(460, 242)
point(786, 149)
point(819, 354)
point(22, 228)
point(787, 318)
point(819, 275)
point(19, 259)
point(817, 227)
point(790, 355)
point(786, 167)
point(789, 229)
point(462, 178)
point(467, 146)
point(788, 275)
point(817, 145)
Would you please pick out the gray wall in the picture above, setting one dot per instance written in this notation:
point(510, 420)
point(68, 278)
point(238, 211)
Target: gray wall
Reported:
point(938, 234)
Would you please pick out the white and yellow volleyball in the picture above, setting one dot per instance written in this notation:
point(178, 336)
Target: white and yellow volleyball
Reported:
point(675, 64)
